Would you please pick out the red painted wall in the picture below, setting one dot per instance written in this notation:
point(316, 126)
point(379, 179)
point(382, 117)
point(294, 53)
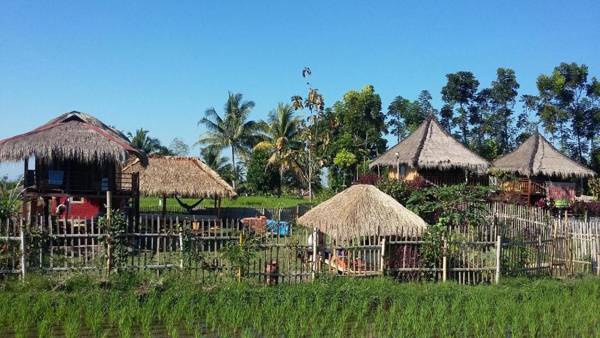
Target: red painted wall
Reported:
point(87, 209)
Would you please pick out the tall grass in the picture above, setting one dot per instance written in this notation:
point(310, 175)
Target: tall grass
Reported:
point(177, 306)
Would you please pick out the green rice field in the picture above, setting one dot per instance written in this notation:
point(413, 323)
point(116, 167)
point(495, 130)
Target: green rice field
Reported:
point(176, 306)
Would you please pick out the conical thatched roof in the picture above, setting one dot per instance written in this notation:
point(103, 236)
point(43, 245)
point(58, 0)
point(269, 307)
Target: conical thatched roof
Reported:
point(72, 135)
point(361, 210)
point(431, 147)
point(537, 156)
point(179, 176)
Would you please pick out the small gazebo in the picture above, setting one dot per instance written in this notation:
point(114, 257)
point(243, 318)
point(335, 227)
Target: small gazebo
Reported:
point(431, 153)
point(541, 171)
point(359, 211)
point(180, 177)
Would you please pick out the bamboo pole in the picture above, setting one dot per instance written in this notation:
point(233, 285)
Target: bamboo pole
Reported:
point(498, 248)
point(108, 223)
point(382, 262)
point(314, 254)
point(239, 269)
point(444, 260)
point(23, 252)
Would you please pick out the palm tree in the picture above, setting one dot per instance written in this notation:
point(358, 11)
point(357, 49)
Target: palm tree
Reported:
point(212, 157)
point(142, 141)
point(280, 134)
point(232, 130)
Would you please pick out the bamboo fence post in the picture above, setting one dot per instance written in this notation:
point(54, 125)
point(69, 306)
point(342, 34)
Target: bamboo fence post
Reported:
point(444, 260)
point(539, 253)
point(382, 261)
point(314, 254)
point(180, 243)
point(239, 269)
point(498, 248)
point(108, 226)
point(22, 244)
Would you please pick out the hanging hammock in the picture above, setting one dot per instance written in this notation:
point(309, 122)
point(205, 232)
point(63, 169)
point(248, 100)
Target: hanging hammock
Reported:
point(187, 207)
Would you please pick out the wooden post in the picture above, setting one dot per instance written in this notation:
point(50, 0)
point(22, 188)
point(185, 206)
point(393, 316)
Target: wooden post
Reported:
point(314, 253)
point(444, 260)
point(239, 269)
point(539, 253)
point(23, 253)
point(598, 264)
point(164, 205)
point(382, 261)
point(498, 248)
point(180, 243)
point(108, 224)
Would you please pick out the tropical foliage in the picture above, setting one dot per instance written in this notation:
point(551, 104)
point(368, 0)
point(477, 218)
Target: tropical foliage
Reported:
point(231, 130)
point(281, 140)
point(9, 197)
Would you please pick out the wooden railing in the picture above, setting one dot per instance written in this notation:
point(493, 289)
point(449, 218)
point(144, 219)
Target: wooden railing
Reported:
point(79, 183)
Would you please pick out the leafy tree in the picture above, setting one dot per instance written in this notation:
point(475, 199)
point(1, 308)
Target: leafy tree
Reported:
point(567, 105)
point(309, 133)
point(503, 94)
point(261, 178)
point(397, 110)
point(232, 130)
point(459, 91)
point(344, 160)
point(179, 148)
point(405, 116)
point(281, 134)
point(357, 125)
point(422, 108)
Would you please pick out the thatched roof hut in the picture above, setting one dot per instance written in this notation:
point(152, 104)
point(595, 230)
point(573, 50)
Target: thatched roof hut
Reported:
point(431, 147)
point(176, 176)
point(71, 136)
point(538, 157)
point(361, 210)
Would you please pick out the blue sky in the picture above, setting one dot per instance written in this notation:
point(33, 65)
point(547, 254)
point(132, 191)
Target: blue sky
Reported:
point(160, 64)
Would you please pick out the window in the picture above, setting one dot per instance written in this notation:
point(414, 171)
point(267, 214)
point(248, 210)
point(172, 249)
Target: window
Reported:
point(55, 177)
point(77, 200)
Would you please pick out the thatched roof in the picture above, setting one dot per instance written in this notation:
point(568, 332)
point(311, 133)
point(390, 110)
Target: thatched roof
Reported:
point(361, 210)
point(431, 147)
point(73, 135)
point(537, 156)
point(179, 176)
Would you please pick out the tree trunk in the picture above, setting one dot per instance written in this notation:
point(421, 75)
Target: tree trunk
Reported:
point(280, 180)
point(234, 167)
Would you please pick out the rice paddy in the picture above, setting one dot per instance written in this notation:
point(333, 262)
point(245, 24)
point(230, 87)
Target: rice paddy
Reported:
point(176, 306)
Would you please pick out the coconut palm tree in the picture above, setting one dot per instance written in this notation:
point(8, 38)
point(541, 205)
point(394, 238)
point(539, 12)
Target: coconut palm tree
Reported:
point(212, 157)
point(280, 134)
point(232, 130)
point(150, 145)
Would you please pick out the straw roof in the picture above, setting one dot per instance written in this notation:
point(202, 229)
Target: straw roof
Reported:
point(179, 176)
point(72, 135)
point(537, 156)
point(361, 210)
point(431, 147)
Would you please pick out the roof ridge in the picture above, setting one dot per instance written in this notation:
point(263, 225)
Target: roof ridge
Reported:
point(415, 159)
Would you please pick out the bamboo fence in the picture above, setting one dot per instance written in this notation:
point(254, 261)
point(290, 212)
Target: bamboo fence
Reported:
point(513, 240)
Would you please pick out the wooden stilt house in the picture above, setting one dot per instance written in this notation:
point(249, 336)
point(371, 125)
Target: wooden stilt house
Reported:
point(70, 163)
